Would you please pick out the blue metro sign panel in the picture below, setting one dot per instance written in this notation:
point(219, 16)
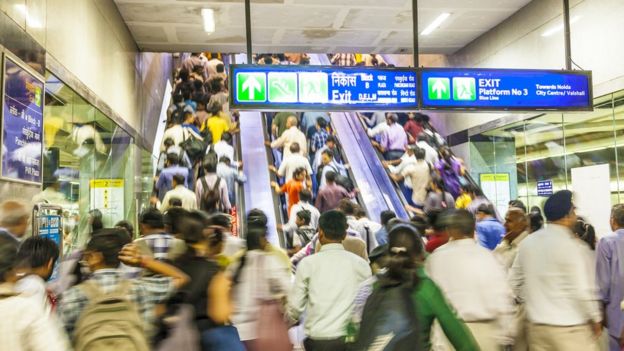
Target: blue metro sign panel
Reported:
point(505, 89)
point(323, 88)
point(335, 88)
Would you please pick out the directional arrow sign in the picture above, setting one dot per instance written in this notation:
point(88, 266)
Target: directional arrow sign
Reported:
point(464, 89)
point(251, 87)
point(313, 87)
point(439, 88)
point(282, 87)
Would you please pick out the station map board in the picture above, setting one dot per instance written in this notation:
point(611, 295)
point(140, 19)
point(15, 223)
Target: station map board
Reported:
point(323, 88)
point(335, 88)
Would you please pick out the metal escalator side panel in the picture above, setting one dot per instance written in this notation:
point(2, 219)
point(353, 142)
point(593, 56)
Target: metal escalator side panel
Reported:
point(374, 199)
point(379, 173)
point(258, 192)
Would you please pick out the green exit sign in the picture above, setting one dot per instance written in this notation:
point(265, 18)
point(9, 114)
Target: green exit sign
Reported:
point(251, 87)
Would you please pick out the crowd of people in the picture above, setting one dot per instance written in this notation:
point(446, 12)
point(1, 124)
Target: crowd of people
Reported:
point(187, 282)
point(456, 275)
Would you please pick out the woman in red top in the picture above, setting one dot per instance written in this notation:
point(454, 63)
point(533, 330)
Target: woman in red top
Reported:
point(413, 127)
point(300, 180)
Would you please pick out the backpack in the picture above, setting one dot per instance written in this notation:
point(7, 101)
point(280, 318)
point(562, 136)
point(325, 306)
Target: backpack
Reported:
point(110, 321)
point(389, 320)
point(211, 197)
point(305, 234)
point(194, 148)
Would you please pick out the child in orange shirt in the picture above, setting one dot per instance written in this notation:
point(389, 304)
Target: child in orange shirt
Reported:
point(299, 181)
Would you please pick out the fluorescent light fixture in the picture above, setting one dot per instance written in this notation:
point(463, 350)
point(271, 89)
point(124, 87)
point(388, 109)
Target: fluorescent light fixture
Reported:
point(559, 27)
point(30, 21)
point(436, 23)
point(209, 21)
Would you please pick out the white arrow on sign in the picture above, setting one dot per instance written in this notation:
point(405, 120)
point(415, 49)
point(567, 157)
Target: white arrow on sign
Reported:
point(439, 88)
point(252, 85)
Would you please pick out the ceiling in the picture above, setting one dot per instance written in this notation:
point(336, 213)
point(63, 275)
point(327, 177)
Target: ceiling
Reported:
point(313, 26)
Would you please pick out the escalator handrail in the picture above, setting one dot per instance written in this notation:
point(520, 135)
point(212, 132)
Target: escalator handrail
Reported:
point(239, 193)
point(345, 158)
point(396, 186)
point(277, 203)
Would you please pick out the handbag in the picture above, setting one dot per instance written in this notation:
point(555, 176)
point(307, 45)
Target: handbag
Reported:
point(272, 332)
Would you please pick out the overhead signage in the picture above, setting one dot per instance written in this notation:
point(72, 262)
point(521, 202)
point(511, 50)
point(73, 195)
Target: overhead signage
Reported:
point(22, 124)
point(544, 188)
point(505, 89)
point(323, 88)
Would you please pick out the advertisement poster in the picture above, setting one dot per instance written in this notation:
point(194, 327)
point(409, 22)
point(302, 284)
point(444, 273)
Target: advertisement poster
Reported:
point(107, 195)
point(22, 124)
point(496, 188)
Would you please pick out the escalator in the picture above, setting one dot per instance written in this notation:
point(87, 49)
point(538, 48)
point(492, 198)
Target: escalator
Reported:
point(255, 157)
point(377, 190)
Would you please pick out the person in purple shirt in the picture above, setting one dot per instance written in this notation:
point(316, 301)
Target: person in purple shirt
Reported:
point(490, 231)
point(610, 277)
point(393, 140)
point(450, 170)
point(165, 180)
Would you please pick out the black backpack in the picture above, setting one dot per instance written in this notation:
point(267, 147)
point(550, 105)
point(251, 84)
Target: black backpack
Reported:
point(389, 320)
point(194, 148)
point(211, 197)
point(305, 234)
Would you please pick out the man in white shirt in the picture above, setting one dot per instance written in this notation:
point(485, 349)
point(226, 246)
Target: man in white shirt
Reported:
point(224, 147)
point(417, 174)
point(431, 155)
point(553, 275)
point(516, 228)
point(474, 283)
point(291, 135)
point(233, 244)
point(325, 287)
point(180, 192)
point(305, 203)
point(292, 162)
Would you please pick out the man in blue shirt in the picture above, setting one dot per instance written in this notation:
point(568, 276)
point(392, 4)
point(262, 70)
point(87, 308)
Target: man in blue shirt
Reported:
point(489, 230)
point(165, 180)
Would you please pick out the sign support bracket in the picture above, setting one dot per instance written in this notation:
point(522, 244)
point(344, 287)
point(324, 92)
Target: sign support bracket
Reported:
point(248, 30)
point(566, 31)
point(415, 32)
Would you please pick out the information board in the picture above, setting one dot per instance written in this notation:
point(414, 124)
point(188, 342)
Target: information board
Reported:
point(505, 89)
point(323, 88)
point(22, 124)
point(544, 188)
point(107, 195)
point(496, 188)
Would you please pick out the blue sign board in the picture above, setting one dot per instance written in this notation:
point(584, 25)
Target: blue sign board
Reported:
point(544, 188)
point(50, 227)
point(22, 124)
point(505, 89)
point(323, 88)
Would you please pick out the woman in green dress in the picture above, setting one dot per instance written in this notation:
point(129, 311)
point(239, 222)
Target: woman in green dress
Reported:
point(403, 264)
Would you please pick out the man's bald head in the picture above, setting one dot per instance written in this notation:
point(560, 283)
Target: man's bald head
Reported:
point(516, 221)
point(291, 121)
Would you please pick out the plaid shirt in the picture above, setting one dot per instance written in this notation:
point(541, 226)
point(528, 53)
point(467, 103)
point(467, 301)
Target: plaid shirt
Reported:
point(145, 293)
point(318, 139)
point(343, 60)
point(160, 244)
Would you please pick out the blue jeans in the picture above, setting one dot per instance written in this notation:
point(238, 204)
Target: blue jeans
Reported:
point(224, 338)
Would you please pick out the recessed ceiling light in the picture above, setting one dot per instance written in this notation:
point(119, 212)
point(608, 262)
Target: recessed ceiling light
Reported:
point(559, 27)
point(436, 23)
point(209, 21)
